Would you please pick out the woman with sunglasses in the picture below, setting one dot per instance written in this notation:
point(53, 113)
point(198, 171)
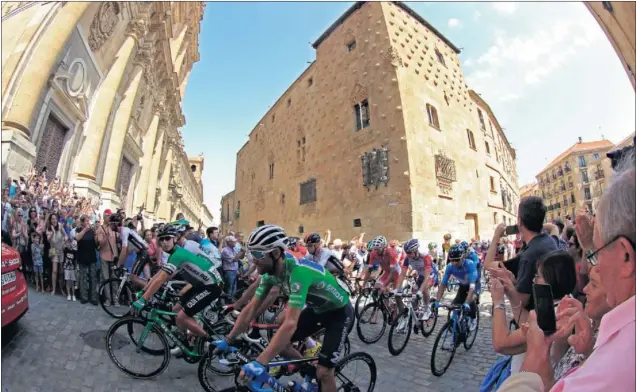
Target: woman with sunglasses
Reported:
point(199, 271)
point(316, 301)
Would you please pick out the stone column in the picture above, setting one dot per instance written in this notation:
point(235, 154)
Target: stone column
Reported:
point(154, 173)
point(104, 99)
point(122, 122)
point(164, 182)
point(146, 160)
point(18, 115)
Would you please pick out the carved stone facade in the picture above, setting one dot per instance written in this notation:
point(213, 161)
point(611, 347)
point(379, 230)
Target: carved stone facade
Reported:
point(103, 85)
point(379, 123)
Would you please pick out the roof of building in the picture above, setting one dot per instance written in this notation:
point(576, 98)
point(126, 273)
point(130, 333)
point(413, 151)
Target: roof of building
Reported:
point(628, 141)
point(474, 95)
point(579, 147)
point(527, 187)
point(400, 4)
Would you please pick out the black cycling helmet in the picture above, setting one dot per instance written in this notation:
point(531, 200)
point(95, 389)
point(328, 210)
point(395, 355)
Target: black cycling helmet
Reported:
point(169, 231)
point(293, 241)
point(456, 252)
point(313, 238)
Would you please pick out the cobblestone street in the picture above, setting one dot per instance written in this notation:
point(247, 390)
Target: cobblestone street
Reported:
point(49, 353)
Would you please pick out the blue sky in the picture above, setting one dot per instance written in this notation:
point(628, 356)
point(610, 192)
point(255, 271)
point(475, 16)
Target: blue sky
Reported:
point(546, 69)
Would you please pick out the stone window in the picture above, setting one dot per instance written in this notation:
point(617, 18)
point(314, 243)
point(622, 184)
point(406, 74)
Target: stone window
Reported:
point(357, 222)
point(193, 168)
point(596, 156)
point(471, 139)
point(492, 185)
point(351, 46)
point(361, 111)
point(482, 124)
point(582, 162)
point(584, 176)
point(273, 118)
point(310, 82)
point(487, 148)
point(308, 192)
point(260, 223)
point(588, 193)
point(282, 198)
point(572, 199)
point(301, 229)
point(492, 133)
point(440, 57)
point(433, 120)
point(271, 171)
point(288, 101)
point(300, 151)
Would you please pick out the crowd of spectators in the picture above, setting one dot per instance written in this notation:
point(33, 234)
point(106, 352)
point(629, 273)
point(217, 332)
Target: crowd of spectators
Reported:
point(590, 265)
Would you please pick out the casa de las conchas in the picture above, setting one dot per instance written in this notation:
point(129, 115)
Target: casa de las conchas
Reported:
point(380, 134)
point(92, 91)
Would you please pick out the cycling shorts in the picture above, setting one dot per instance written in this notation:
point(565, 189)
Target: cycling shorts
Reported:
point(389, 277)
point(336, 323)
point(197, 298)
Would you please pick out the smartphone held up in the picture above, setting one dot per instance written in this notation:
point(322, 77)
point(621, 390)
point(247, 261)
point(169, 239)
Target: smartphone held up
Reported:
point(544, 307)
point(512, 230)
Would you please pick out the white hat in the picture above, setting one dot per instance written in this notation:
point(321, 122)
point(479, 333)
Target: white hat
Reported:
point(230, 238)
point(337, 242)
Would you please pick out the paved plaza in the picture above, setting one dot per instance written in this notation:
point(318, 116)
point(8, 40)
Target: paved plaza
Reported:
point(51, 352)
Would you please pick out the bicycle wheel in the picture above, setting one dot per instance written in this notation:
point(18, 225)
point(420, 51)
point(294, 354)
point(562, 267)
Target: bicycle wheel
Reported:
point(125, 297)
point(427, 327)
point(443, 343)
point(400, 328)
point(356, 361)
point(116, 342)
point(366, 319)
point(470, 339)
point(362, 300)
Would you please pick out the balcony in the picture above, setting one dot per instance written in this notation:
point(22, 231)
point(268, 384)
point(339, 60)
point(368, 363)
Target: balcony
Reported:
point(567, 168)
point(570, 185)
point(599, 174)
point(560, 172)
point(562, 187)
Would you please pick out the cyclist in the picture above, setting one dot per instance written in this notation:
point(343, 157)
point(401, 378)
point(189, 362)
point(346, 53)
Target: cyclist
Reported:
point(388, 260)
point(322, 256)
point(310, 285)
point(197, 270)
point(422, 265)
point(293, 248)
point(465, 271)
point(131, 242)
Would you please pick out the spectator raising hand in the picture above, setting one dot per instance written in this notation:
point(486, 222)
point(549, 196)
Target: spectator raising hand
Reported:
point(585, 231)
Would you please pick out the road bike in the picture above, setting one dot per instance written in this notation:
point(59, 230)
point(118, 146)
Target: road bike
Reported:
point(383, 305)
point(304, 367)
point(364, 295)
point(454, 332)
point(154, 323)
point(414, 312)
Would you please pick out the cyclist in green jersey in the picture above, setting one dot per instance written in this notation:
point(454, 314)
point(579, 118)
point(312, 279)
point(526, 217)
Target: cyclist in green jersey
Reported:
point(197, 270)
point(310, 286)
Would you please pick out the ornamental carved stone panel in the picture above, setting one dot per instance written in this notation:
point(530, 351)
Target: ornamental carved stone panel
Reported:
point(445, 173)
point(375, 167)
point(103, 24)
point(392, 55)
point(359, 93)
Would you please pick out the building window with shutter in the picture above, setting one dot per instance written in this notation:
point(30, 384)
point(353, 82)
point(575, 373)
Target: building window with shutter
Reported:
point(487, 148)
point(584, 176)
point(582, 162)
point(588, 194)
point(433, 120)
point(482, 123)
point(492, 185)
point(271, 171)
point(308, 192)
point(362, 114)
point(471, 139)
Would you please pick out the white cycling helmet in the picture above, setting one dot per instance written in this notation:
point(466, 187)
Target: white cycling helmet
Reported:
point(267, 238)
point(379, 242)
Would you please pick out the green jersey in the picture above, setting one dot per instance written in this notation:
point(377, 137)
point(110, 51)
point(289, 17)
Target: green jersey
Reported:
point(196, 269)
point(307, 283)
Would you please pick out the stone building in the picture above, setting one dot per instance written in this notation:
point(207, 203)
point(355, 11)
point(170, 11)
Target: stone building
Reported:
point(618, 21)
point(576, 178)
point(93, 91)
point(530, 190)
point(230, 212)
point(380, 134)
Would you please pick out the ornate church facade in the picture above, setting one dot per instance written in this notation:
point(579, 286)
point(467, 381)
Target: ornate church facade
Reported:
point(93, 92)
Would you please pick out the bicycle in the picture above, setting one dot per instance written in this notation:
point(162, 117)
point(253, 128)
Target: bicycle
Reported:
point(414, 310)
point(383, 303)
point(305, 367)
point(153, 321)
point(458, 332)
point(362, 298)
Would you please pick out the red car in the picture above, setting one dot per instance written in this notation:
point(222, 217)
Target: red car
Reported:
point(15, 294)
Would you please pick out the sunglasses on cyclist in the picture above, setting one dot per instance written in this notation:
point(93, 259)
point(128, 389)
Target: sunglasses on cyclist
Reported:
point(161, 239)
point(259, 255)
